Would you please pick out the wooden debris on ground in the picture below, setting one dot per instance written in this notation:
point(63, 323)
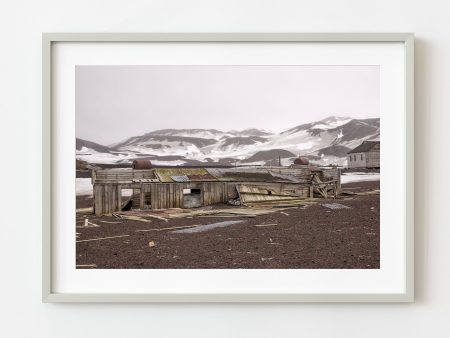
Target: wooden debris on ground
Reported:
point(348, 193)
point(109, 222)
point(371, 192)
point(170, 228)
point(131, 217)
point(101, 238)
point(265, 225)
point(88, 224)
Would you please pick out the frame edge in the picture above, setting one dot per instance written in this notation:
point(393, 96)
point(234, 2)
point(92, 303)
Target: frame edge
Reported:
point(48, 38)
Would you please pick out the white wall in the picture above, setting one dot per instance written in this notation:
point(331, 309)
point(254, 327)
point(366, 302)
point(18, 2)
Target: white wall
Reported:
point(23, 315)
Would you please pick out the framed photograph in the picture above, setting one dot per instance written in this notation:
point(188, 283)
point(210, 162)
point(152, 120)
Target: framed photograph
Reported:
point(228, 167)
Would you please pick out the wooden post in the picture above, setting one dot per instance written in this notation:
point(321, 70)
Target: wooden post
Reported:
point(142, 200)
point(119, 197)
point(98, 196)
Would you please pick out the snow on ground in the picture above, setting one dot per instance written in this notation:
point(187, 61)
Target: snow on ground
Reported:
point(83, 187)
point(359, 177)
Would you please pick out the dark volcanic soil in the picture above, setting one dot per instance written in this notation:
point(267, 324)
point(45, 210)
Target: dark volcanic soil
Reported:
point(308, 237)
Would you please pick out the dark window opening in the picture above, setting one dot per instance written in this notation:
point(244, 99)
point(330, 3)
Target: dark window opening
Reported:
point(191, 191)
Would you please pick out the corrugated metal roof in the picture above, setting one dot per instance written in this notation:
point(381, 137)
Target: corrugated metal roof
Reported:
point(181, 178)
point(363, 147)
point(247, 175)
point(193, 174)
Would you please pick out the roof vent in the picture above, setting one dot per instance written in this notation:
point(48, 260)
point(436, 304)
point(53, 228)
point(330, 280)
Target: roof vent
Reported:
point(301, 161)
point(142, 164)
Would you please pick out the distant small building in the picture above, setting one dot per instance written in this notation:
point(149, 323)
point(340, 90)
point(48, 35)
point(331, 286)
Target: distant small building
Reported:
point(366, 155)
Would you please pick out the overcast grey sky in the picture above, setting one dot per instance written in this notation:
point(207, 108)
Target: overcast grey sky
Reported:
point(116, 102)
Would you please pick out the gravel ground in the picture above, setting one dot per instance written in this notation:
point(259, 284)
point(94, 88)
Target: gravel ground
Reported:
point(311, 237)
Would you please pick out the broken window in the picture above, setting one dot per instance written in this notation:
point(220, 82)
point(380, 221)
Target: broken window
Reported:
point(191, 191)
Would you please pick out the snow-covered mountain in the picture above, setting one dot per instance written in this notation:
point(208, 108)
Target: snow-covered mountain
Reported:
point(324, 142)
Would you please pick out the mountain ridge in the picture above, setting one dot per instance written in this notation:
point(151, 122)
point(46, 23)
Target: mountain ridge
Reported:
point(326, 142)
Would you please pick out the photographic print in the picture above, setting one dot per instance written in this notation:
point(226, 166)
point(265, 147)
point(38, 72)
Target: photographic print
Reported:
point(227, 167)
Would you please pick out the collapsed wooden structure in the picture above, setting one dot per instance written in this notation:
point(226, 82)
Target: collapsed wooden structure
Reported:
point(185, 187)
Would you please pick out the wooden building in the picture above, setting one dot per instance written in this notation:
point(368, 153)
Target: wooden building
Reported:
point(184, 187)
point(366, 155)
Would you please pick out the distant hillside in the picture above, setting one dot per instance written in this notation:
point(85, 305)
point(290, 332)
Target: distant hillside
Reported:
point(326, 142)
point(268, 155)
point(80, 143)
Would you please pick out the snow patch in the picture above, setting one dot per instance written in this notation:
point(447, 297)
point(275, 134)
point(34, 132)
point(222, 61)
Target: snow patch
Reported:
point(83, 187)
point(359, 177)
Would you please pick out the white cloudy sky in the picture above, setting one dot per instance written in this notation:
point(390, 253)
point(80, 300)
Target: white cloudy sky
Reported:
point(116, 102)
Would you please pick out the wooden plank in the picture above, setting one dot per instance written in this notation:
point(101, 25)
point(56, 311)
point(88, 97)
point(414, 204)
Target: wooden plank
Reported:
point(101, 239)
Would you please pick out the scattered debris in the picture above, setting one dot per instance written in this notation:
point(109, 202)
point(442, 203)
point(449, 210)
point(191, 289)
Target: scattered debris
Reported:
point(335, 206)
point(370, 192)
point(284, 213)
point(88, 224)
point(102, 238)
point(207, 227)
point(348, 193)
point(131, 217)
point(157, 217)
point(151, 244)
point(170, 228)
point(265, 225)
point(109, 222)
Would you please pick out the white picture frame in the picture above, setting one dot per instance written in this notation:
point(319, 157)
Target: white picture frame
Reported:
point(49, 294)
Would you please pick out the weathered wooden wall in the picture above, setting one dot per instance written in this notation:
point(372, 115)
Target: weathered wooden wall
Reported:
point(373, 157)
point(108, 197)
point(356, 160)
point(149, 193)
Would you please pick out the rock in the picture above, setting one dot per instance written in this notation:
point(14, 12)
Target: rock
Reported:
point(235, 202)
point(151, 244)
